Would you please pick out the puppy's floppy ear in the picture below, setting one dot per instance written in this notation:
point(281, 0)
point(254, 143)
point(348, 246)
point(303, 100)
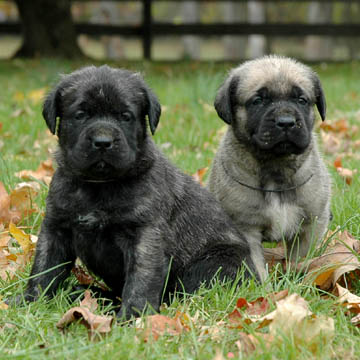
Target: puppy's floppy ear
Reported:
point(153, 110)
point(223, 104)
point(51, 109)
point(320, 101)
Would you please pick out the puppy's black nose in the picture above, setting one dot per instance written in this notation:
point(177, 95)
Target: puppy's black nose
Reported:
point(103, 142)
point(285, 122)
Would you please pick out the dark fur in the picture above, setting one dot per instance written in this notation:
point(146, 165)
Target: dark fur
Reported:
point(118, 204)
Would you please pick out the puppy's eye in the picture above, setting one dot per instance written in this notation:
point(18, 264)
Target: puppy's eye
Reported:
point(302, 100)
point(257, 100)
point(80, 115)
point(126, 116)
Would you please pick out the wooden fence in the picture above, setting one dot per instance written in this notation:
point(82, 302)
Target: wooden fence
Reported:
point(148, 29)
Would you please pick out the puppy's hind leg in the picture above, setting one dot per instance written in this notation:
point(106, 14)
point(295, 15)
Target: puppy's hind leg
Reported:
point(224, 260)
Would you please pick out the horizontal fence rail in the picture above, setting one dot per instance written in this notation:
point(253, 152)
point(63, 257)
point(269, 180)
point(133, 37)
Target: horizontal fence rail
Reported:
point(149, 28)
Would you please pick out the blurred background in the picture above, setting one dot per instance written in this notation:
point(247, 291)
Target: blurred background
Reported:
point(176, 30)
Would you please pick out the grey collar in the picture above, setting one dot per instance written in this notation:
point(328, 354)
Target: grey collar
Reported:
point(267, 190)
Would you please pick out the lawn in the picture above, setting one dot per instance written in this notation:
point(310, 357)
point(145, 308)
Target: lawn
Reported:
point(189, 132)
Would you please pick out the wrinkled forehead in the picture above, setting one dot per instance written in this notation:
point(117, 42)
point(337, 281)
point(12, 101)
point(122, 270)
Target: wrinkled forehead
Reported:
point(278, 76)
point(102, 92)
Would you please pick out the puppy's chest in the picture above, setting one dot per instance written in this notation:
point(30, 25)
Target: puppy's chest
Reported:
point(101, 251)
point(282, 218)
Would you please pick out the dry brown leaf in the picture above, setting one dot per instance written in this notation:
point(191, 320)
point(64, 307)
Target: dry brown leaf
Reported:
point(215, 332)
point(44, 172)
point(331, 144)
point(154, 326)
point(13, 259)
point(6, 214)
point(4, 239)
point(345, 296)
point(289, 313)
point(254, 312)
point(199, 175)
point(339, 258)
point(275, 256)
point(347, 174)
point(9, 264)
point(350, 301)
point(356, 320)
point(97, 324)
point(82, 276)
point(293, 317)
point(88, 301)
point(339, 126)
point(249, 343)
point(338, 162)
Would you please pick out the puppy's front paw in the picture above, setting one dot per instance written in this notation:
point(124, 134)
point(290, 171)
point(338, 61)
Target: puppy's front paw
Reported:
point(91, 221)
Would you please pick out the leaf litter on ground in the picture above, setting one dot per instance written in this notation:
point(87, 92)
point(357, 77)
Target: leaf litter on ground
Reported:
point(44, 172)
point(96, 324)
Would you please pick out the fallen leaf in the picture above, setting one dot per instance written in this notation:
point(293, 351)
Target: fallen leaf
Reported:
point(4, 239)
point(154, 326)
point(345, 296)
point(350, 301)
point(331, 144)
point(275, 256)
point(289, 312)
point(249, 343)
point(339, 258)
point(6, 214)
point(44, 172)
point(96, 324)
point(339, 126)
point(253, 312)
point(338, 162)
point(347, 174)
point(215, 332)
point(356, 320)
point(37, 96)
point(10, 263)
point(293, 318)
point(199, 175)
point(23, 239)
point(88, 301)
point(21, 198)
point(82, 276)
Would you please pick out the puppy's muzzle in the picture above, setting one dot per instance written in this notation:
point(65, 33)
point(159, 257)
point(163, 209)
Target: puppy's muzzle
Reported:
point(285, 122)
point(102, 142)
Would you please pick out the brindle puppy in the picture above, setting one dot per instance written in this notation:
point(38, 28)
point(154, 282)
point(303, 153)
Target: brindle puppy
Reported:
point(119, 205)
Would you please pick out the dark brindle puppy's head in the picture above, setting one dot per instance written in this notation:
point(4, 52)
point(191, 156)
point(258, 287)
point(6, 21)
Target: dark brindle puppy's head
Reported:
point(101, 115)
point(269, 102)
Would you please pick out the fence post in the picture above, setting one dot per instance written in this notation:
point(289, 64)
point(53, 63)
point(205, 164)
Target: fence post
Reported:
point(147, 21)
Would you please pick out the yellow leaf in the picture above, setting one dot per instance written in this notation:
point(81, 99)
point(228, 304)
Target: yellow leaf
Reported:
point(3, 306)
point(37, 95)
point(23, 239)
point(19, 96)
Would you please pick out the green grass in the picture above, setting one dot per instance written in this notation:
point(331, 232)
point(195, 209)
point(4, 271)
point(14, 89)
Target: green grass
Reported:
point(189, 133)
